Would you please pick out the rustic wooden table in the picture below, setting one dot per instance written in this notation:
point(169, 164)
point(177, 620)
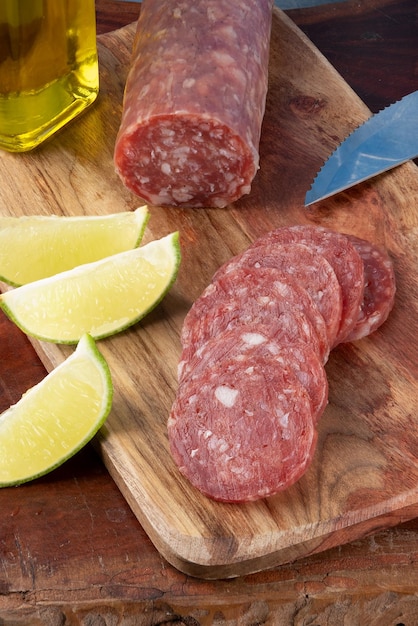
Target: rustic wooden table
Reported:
point(72, 552)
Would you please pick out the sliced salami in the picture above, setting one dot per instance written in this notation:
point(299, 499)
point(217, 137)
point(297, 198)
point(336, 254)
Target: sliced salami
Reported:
point(337, 250)
point(258, 297)
point(379, 289)
point(245, 342)
point(252, 384)
point(194, 101)
point(303, 266)
point(243, 430)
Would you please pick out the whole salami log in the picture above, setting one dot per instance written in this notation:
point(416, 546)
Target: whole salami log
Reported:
point(194, 101)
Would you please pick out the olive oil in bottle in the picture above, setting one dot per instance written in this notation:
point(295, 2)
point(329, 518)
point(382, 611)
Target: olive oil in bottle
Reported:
point(48, 67)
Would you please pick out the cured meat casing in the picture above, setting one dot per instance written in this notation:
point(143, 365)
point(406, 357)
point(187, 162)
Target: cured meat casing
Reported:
point(379, 288)
point(194, 101)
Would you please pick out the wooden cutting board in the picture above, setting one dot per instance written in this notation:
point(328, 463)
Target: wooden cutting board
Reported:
point(365, 472)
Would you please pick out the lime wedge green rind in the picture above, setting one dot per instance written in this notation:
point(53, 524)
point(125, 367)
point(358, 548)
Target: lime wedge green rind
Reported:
point(57, 417)
point(100, 298)
point(38, 246)
point(142, 217)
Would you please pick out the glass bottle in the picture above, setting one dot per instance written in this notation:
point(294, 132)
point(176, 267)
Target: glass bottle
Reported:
point(48, 67)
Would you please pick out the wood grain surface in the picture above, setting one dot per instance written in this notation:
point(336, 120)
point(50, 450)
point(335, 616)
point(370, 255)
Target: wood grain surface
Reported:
point(364, 474)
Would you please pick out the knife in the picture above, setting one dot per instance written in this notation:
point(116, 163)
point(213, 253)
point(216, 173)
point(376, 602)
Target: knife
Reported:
point(382, 142)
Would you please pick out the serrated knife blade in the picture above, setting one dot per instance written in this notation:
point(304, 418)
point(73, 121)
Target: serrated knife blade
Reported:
point(387, 139)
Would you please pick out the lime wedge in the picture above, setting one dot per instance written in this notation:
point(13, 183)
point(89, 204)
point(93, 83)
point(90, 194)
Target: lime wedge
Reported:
point(100, 298)
point(37, 246)
point(56, 417)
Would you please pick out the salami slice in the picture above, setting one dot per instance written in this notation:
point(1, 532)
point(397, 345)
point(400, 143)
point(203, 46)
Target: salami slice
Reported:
point(258, 297)
point(194, 101)
point(245, 342)
point(337, 249)
point(305, 267)
point(243, 430)
point(379, 289)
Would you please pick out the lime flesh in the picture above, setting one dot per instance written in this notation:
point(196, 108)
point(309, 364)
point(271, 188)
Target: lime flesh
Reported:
point(37, 246)
point(100, 298)
point(57, 417)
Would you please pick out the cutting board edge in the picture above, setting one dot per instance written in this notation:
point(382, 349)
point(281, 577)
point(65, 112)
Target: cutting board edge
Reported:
point(181, 549)
point(206, 569)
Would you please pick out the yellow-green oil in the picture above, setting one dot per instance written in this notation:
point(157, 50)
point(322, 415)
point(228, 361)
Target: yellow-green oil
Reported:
point(48, 68)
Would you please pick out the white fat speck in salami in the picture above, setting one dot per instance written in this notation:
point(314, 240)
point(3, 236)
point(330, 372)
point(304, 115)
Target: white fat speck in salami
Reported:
point(379, 288)
point(226, 395)
point(252, 447)
point(194, 101)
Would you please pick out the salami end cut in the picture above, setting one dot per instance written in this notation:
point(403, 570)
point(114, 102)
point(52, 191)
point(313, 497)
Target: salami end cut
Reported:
point(194, 101)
